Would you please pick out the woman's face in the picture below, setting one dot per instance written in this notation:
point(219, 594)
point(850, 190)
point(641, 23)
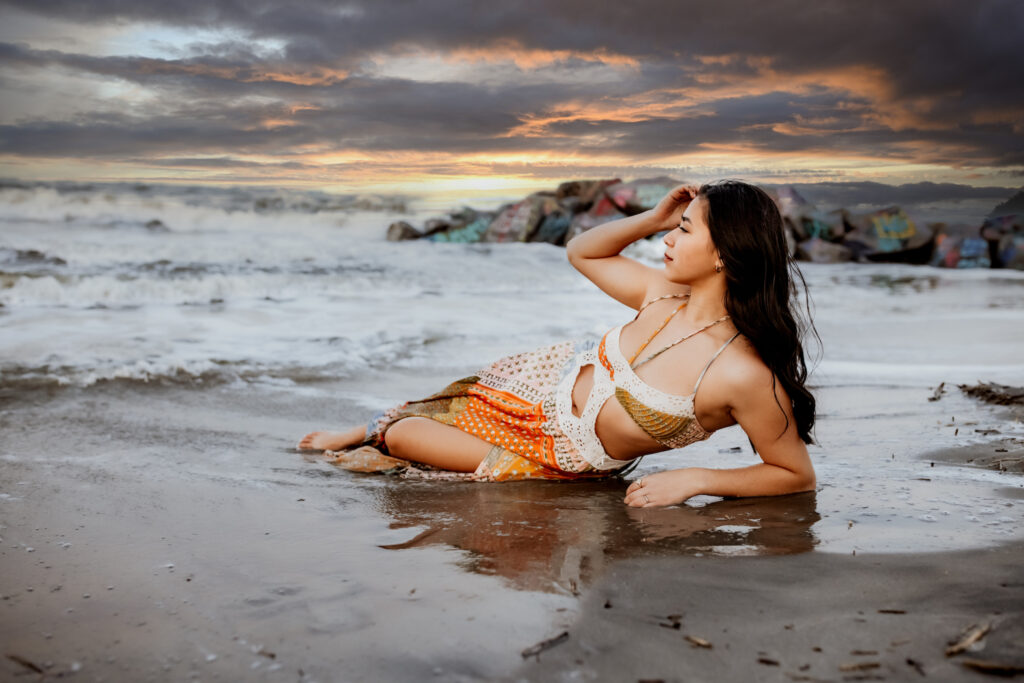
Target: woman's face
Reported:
point(690, 254)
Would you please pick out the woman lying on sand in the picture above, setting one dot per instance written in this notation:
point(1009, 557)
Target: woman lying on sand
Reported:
point(717, 317)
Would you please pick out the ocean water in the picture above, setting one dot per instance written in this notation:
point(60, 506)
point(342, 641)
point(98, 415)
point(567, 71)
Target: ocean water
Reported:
point(299, 295)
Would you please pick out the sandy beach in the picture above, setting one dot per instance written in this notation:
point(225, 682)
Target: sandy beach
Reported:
point(175, 535)
point(157, 524)
point(815, 617)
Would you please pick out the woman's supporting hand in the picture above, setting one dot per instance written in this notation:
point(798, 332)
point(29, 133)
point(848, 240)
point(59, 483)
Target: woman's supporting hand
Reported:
point(664, 488)
point(675, 486)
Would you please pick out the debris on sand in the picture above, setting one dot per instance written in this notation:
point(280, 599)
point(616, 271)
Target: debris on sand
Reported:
point(990, 392)
point(28, 664)
point(698, 642)
point(998, 668)
point(860, 666)
point(675, 621)
point(1003, 647)
point(970, 636)
point(916, 665)
point(535, 650)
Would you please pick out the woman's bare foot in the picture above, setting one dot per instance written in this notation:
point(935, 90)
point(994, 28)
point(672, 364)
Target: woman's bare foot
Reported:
point(332, 441)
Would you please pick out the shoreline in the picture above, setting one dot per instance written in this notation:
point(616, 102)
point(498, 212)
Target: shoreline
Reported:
point(154, 533)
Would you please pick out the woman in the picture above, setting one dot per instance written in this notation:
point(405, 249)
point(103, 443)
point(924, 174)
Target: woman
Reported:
point(717, 317)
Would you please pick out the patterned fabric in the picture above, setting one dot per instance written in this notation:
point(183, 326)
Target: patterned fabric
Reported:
point(512, 404)
point(668, 418)
point(660, 426)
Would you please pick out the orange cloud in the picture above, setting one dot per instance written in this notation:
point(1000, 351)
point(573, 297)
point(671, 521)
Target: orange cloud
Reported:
point(317, 76)
point(508, 50)
point(871, 93)
point(278, 122)
point(889, 108)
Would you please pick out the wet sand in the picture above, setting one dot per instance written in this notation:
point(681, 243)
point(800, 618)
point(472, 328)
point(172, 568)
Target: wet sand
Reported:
point(1001, 451)
point(816, 617)
point(155, 533)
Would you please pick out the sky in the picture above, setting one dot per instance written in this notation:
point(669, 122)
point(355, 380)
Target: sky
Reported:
point(505, 96)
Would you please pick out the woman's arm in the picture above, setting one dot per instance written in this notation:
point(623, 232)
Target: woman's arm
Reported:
point(596, 252)
point(786, 466)
point(676, 486)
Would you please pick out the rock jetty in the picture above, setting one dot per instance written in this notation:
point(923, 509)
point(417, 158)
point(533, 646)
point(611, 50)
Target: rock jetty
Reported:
point(889, 235)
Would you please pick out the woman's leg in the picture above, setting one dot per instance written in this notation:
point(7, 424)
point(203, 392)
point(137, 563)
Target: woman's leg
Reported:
point(423, 440)
point(333, 441)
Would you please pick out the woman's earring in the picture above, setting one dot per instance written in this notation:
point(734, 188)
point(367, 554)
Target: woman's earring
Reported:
point(718, 267)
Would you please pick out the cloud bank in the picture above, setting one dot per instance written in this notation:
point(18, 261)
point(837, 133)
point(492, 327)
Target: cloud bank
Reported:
point(321, 91)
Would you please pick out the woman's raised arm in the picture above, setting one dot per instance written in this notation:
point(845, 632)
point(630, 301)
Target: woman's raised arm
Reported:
point(596, 253)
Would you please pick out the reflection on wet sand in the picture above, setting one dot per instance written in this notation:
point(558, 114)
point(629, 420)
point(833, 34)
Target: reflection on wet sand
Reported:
point(559, 537)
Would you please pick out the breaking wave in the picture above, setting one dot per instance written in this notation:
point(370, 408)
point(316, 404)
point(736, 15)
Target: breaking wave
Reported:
point(334, 358)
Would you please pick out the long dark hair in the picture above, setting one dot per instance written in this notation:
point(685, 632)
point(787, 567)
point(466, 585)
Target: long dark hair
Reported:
point(747, 229)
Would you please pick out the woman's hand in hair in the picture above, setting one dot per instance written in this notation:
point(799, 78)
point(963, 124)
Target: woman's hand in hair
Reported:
point(669, 210)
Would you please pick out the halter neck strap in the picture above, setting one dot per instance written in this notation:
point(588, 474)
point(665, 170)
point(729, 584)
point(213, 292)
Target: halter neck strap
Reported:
point(677, 341)
point(717, 354)
point(659, 298)
point(660, 327)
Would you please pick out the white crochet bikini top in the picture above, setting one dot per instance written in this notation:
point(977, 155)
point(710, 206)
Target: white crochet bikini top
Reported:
point(668, 418)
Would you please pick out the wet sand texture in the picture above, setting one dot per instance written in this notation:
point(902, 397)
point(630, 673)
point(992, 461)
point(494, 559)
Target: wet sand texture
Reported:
point(157, 543)
point(813, 617)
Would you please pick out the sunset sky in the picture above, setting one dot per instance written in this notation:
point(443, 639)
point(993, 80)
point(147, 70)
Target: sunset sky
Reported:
point(442, 95)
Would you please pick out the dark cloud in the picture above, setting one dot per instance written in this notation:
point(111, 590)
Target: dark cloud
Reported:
point(761, 122)
point(736, 119)
point(935, 82)
point(220, 162)
point(371, 115)
point(937, 46)
point(865, 192)
point(111, 135)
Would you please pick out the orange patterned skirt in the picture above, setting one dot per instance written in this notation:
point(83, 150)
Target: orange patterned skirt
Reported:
point(511, 405)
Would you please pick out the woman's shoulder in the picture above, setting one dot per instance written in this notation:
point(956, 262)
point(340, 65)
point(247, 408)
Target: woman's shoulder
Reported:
point(737, 383)
point(743, 372)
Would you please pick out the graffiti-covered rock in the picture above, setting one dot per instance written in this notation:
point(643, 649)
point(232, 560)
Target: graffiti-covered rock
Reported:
point(818, 250)
point(517, 222)
point(812, 234)
point(805, 220)
point(960, 245)
point(466, 225)
point(554, 227)
point(640, 195)
point(400, 230)
point(585, 192)
point(1005, 238)
point(603, 211)
point(889, 236)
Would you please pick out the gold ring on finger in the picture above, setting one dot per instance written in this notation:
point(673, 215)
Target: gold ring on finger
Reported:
point(646, 499)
